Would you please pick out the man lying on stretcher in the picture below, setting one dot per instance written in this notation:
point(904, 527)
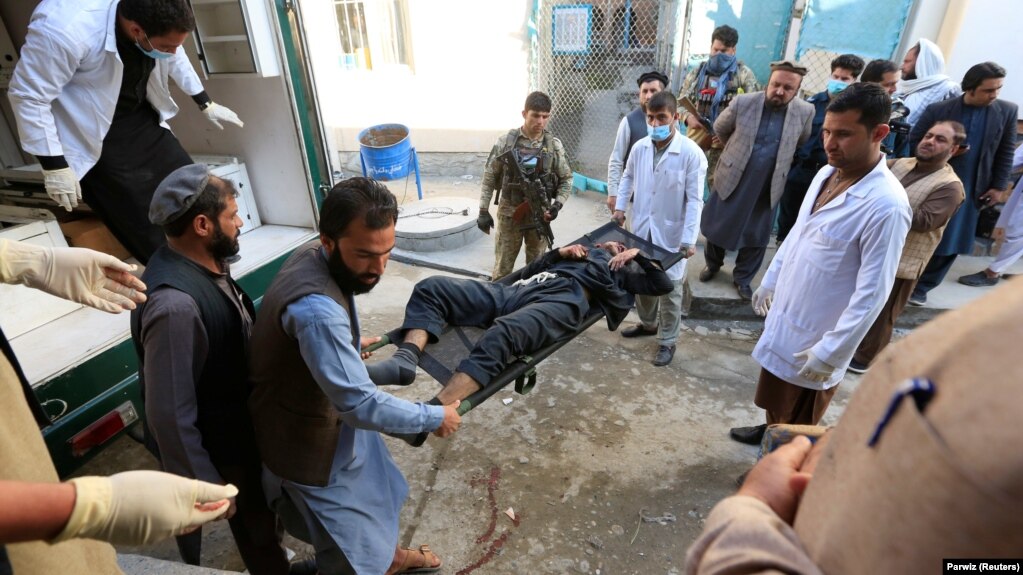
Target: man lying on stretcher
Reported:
point(546, 305)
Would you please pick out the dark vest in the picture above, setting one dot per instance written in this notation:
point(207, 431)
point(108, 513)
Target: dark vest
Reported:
point(637, 130)
point(222, 388)
point(297, 426)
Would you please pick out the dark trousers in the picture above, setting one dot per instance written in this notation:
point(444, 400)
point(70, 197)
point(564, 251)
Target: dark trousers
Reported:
point(796, 186)
point(255, 528)
point(880, 334)
point(518, 319)
point(137, 155)
point(747, 262)
point(936, 270)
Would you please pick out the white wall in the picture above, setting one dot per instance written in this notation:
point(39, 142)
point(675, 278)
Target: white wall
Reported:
point(990, 31)
point(269, 144)
point(469, 81)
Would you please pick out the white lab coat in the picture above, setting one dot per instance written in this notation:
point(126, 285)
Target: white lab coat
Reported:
point(668, 199)
point(66, 85)
point(833, 274)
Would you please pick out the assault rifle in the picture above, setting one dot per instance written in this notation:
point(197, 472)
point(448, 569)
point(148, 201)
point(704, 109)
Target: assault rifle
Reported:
point(702, 139)
point(534, 191)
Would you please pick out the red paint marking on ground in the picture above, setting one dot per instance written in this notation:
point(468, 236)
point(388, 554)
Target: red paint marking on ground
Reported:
point(491, 483)
point(491, 552)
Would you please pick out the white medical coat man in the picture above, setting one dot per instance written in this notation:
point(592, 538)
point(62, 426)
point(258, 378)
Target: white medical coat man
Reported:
point(668, 196)
point(66, 84)
point(833, 274)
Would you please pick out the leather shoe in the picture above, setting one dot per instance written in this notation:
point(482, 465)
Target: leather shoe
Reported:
point(664, 355)
point(708, 273)
point(748, 435)
point(638, 331)
point(979, 279)
point(745, 292)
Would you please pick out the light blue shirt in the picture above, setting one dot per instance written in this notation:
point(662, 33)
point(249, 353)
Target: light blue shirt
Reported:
point(362, 500)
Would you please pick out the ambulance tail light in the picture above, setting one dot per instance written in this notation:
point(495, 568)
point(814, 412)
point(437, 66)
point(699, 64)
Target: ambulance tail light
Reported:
point(103, 429)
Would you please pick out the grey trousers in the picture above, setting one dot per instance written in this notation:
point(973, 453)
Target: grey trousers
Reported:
point(663, 311)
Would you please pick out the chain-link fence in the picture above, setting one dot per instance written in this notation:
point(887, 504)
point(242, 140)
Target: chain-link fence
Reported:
point(588, 57)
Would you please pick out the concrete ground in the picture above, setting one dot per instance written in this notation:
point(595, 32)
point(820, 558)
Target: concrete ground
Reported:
point(609, 466)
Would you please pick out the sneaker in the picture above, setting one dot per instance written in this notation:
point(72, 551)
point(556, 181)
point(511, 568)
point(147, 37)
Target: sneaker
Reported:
point(918, 299)
point(857, 367)
point(979, 279)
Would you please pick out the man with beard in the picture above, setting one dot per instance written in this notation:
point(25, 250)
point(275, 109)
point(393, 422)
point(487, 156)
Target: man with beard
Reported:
point(984, 169)
point(631, 129)
point(935, 193)
point(317, 414)
point(923, 80)
point(810, 156)
point(761, 132)
point(191, 338)
point(547, 305)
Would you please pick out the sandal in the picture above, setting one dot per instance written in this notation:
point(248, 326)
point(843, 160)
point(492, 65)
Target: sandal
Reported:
point(420, 560)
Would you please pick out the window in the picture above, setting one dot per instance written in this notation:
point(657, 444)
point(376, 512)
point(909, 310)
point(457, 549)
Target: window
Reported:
point(374, 34)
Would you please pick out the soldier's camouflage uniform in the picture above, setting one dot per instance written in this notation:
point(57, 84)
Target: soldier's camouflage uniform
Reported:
point(496, 176)
point(744, 81)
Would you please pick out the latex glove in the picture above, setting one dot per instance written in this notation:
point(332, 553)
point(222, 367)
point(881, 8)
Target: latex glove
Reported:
point(762, 300)
point(81, 275)
point(62, 186)
point(142, 507)
point(216, 113)
point(813, 369)
point(485, 222)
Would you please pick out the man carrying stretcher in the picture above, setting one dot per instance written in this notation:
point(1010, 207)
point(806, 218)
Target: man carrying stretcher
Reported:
point(548, 304)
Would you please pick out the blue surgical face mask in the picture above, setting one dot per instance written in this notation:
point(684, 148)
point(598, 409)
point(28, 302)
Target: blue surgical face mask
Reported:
point(836, 86)
point(659, 133)
point(154, 53)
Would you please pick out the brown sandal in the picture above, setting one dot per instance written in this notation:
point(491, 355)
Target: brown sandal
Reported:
point(429, 563)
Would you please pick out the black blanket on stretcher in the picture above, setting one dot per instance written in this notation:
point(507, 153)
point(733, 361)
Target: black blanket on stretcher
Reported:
point(441, 358)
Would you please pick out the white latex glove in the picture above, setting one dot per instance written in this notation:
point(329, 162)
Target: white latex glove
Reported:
point(813, 369)
point(216, 113)
point(62, 186)
point(142, 507)
point(81, 275)
point(762, 300)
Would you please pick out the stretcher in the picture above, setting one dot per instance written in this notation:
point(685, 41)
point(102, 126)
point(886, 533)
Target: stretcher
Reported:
point(440, 359)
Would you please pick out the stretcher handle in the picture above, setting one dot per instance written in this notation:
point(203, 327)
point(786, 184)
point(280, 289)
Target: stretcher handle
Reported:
point(418, 439)
point(384, 340)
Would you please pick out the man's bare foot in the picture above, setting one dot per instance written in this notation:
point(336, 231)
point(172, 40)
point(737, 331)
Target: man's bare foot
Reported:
point(460, 386)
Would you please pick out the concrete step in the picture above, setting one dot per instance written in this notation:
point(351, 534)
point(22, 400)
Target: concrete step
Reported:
point(142, 565)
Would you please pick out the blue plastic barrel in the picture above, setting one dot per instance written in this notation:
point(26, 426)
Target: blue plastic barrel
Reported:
point(386, 151)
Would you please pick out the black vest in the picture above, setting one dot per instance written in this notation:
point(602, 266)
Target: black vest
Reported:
point(637, 130)
point(222, 389)
point(297, 426)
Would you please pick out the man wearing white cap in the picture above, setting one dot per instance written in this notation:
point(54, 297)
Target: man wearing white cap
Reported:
point(923, 79)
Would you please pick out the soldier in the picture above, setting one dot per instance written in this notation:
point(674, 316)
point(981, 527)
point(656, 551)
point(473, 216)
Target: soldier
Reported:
point(703, 87)
point(537, 150)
